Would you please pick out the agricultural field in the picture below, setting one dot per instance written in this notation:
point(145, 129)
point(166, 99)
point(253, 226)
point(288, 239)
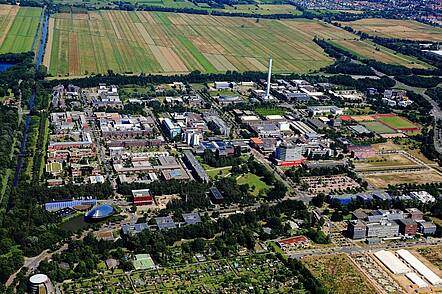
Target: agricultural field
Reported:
point(159, 42)
point(401, 29)
point(336, 272)
point(261, 9)
point(368, 50)
point(18, 27)
point(382, 180)
point(383, 161)
point(156, 42)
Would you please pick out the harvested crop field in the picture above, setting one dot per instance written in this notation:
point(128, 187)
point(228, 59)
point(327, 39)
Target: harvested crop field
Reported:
point(17, 28)
point(336, 272)
point(368, 50)
point(380, 181)
point(382, 162)
point(392, 28)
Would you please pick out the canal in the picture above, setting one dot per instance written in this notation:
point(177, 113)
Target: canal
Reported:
point(31, 101)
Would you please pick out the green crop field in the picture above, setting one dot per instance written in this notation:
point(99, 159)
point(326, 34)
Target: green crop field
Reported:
point(18, 27)
point(261, 9)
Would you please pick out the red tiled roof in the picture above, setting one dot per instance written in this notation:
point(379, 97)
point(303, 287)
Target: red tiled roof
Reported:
point(256, 141)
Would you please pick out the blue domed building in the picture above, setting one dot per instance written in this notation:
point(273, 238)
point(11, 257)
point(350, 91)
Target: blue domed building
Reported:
point(99, 213)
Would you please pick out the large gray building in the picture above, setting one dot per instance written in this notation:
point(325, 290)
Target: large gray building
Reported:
point(193, 164)
point(357, 230)
point(286, 152)
point(383, 229)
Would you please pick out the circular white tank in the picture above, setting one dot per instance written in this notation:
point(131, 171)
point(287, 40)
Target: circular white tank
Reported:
point(38, 279)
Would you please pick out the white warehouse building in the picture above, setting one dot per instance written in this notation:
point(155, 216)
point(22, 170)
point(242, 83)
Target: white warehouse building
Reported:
point(392, 262)
point(421, 268)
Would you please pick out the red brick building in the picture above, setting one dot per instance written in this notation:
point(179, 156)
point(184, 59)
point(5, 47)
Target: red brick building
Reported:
point(407, 227)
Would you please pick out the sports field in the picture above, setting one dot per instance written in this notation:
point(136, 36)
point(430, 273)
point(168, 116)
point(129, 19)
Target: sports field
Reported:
point(156, 42)
point(392, 28)
point(378, 127)
point(17, 28)
point(398, 123)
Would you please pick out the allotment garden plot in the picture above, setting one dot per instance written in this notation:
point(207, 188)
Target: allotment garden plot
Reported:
point(18, 27)
point(228, 276)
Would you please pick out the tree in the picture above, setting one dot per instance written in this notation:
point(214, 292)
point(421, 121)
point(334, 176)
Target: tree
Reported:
point(336, 216)
point(318, 200)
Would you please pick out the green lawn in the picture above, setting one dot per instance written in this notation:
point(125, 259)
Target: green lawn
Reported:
point(253, 181)
point(214, 172)
point(264, 111)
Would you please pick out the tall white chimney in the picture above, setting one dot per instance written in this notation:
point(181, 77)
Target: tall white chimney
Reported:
point(269, 77)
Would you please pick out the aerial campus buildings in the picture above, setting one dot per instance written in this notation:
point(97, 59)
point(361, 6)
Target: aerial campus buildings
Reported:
point(387, 224)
